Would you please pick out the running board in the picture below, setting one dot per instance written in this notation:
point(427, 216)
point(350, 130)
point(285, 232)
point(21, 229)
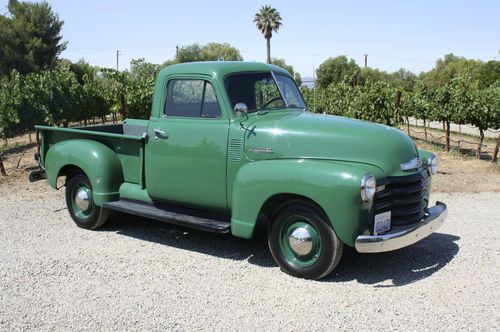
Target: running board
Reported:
point(149, 210)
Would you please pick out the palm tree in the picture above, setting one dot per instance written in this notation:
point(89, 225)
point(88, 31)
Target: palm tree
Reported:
point(267, 20)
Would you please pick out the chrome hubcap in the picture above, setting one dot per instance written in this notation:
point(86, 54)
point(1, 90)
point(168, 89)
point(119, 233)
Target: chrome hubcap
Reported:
point(82, 199)
point(301, 241)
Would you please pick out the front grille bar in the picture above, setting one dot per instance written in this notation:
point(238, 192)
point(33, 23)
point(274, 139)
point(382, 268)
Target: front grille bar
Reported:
point(405, 196)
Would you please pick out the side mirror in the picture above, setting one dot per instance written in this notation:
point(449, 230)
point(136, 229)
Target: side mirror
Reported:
point(240, 109)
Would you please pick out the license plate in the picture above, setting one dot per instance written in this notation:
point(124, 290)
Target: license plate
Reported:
point(382, 223)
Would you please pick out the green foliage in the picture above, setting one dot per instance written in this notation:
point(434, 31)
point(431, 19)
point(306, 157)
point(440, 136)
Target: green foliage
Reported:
point(10, 100)
point(209, 52)
point(30, 37)
point(96, 99)
point(486, 113)
point(218, 51)
point(54, 97)
point(337, 100)
point(375, 102)
point(450, 67)
point(371, 102)
point(419, 102)
point(368, 75)
point(140, 87)
point(489, 73)
point(281, 63)
point(491, 105)
point(403, 79)
point(297, 78)
point(454, 91)
point(115, 83)
point(336, 70)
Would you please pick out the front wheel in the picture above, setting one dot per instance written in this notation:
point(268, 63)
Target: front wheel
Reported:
point(81, 206)
point(303, 242)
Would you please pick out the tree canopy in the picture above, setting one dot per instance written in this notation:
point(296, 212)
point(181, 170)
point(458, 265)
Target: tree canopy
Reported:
point(281, 63)
point(268, 20)
point(208, 52)
point(30, 38)
point(336, 70)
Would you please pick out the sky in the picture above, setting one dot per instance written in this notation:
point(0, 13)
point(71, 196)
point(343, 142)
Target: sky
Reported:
point(394, 34)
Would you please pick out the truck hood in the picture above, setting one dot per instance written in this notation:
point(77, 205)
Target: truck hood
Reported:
point(298, 134)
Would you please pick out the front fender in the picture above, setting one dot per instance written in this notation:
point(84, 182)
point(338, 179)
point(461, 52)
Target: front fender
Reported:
point(100, 163)
point(424, 155)
point(334, 186)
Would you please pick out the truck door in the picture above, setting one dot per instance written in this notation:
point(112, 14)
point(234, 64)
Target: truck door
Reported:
point(187, 148)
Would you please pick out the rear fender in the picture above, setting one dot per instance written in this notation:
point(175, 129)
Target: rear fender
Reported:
point(100, 163)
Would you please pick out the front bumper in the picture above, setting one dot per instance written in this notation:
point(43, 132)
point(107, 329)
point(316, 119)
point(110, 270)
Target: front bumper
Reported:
point(400, 237)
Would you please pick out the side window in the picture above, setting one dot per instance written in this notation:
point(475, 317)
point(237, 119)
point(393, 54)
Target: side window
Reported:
point(191, 98)
point(210, 105)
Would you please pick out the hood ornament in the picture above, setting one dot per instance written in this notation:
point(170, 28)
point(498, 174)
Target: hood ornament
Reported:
point(412, 164)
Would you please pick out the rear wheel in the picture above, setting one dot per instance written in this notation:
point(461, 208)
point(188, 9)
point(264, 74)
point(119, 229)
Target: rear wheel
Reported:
point(303, 242)
point(81, 206)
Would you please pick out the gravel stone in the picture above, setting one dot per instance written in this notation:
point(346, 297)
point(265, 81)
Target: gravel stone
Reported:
point(138, 274)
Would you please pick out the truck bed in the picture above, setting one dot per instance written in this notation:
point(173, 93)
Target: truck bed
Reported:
point(126, 140)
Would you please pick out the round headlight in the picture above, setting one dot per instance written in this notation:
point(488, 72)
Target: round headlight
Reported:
point(432, 163)
point(368, 187)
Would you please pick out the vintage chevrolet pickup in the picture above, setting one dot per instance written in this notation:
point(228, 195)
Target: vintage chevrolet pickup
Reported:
point(229, 144)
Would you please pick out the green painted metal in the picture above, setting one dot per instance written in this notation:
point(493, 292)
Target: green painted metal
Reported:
point(424, 155)
point(188, 165)
point(75, 131)
point(126, 147)
point(235, 163)
point(134, 191)
point(300, 134)
point(213, 71)
point(292, 223)
point(333, 185)
point(99, 162)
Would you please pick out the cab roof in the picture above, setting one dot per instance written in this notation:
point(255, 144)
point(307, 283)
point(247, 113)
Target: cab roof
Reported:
point(219, 68)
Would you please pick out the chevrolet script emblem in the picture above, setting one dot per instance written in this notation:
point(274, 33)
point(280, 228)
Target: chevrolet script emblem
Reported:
point(256, 149)
point(412, 164)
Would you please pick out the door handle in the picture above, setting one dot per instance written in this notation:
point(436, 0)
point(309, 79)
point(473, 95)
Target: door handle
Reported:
point(160, 134)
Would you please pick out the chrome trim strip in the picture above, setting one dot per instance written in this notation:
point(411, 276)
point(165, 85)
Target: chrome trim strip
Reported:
point(412, 164)
point(401, 237)
point(257, 149)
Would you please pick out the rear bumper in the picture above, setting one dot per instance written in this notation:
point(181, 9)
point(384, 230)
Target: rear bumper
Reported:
point(401, 237)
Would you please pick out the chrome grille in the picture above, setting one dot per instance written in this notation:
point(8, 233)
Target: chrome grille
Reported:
point(405, 196)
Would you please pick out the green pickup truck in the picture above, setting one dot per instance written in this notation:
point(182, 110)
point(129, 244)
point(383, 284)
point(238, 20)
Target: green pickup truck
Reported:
point(231, 144)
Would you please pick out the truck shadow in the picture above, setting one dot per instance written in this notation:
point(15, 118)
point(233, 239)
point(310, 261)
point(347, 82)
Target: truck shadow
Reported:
point(224, 246)
point(389, 269)
point(400, 267)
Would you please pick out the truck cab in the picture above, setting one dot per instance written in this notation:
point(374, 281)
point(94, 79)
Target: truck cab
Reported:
point(231, 143)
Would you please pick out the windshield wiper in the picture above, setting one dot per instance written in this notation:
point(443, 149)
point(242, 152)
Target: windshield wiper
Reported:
point(267, 109)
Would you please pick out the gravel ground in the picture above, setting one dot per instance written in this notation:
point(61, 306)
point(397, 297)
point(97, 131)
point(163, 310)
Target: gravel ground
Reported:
point(137, 274)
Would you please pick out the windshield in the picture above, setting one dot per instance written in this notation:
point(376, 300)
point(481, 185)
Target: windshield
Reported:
point(260, 91)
